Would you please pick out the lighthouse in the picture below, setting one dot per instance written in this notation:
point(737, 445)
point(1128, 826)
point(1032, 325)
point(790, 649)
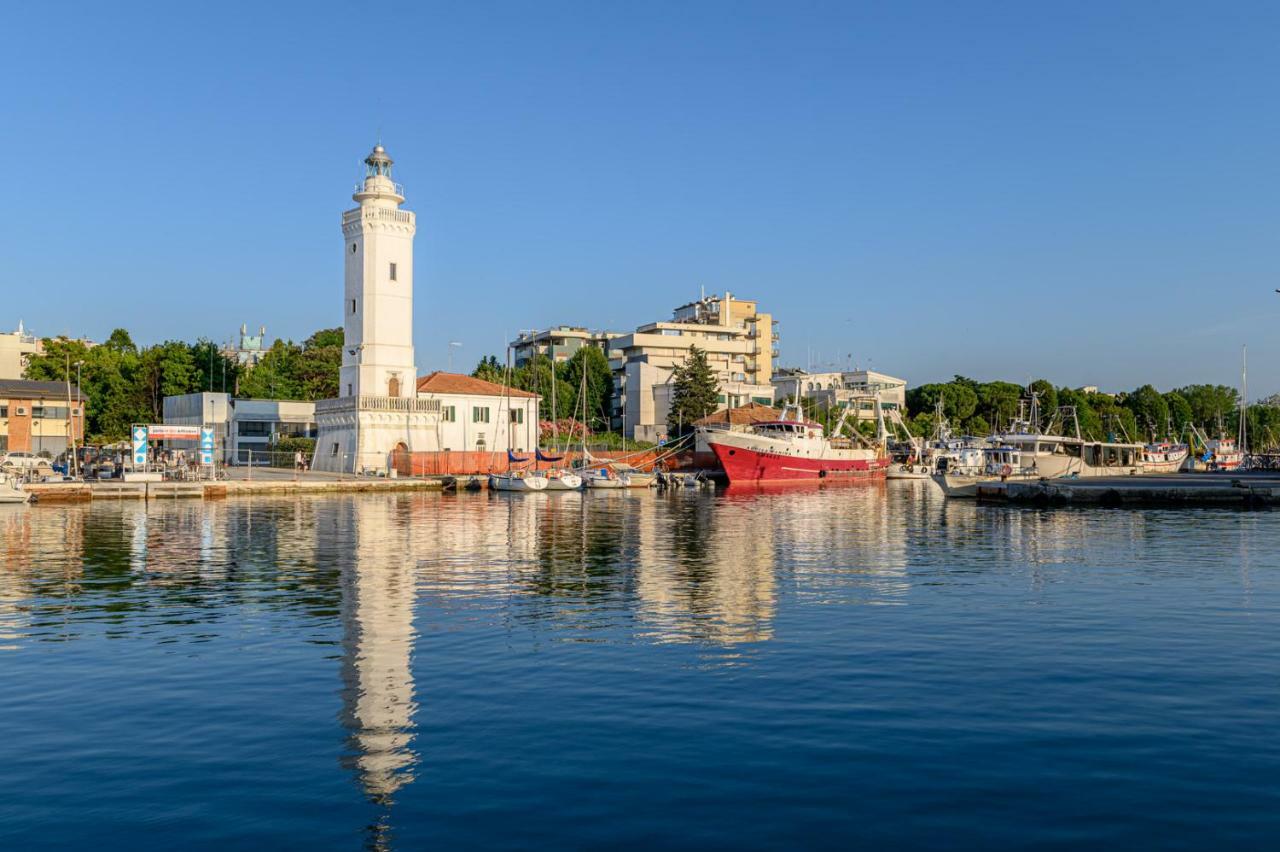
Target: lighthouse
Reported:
point(377, 412)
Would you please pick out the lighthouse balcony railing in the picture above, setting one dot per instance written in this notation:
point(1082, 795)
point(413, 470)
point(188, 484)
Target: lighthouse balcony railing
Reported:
point(387, 214)
point(399, 188)
point(363, 402)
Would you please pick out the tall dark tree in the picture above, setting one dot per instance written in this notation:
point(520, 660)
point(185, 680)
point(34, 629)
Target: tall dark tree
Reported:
point(694, 391)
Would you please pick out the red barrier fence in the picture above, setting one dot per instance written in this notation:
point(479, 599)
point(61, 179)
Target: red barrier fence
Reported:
point(479, 464)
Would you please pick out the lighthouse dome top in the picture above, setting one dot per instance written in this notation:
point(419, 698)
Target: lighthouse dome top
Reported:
point(379, 162)
point(378, 188)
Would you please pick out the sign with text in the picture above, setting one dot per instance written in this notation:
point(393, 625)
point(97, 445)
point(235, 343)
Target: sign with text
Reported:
point(169, 432)
point(139, 436)
point(206, 445)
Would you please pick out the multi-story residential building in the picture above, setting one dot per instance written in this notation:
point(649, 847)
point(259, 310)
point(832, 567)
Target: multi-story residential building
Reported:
point(558, 344)
point(40, 417)
point(15, 348)
point(740, 343)
point(842, 387)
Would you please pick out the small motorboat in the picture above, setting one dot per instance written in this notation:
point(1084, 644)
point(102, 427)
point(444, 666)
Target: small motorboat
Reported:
point(605, 477)
point(634, 476)
point(562, 480)
point(517, 481)
point(11, 490)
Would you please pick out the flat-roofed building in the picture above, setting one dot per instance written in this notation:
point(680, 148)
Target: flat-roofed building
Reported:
point(740, 343)
point(840, 387)
point(243, 428)
point(15, 348)
point(40, 417)
point(559, 343)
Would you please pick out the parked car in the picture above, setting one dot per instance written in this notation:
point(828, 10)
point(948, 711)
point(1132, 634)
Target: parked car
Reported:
point(18, 462)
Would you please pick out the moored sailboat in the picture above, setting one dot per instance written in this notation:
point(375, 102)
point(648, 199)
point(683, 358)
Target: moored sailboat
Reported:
point(514, 479)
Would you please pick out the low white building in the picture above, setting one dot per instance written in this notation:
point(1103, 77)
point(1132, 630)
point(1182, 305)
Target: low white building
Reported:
point(840, 387)
point(243, 428)
point(478, 416)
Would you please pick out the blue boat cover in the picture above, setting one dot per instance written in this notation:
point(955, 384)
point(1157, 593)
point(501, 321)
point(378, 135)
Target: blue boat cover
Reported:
point(544, 457)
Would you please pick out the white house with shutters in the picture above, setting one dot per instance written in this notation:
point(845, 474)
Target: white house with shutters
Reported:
point(479, 416)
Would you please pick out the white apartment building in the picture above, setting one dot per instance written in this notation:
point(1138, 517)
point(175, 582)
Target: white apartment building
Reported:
point(478, 416)
point(15, 348)
point(559, 343)
point(740, 344)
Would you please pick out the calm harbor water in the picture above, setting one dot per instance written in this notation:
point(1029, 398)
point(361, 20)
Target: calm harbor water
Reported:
point(748, 670)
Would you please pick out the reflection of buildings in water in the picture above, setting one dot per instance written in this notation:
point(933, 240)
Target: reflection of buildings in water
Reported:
point(847, 537)
point(705, 570)
point(1040, 537)
point(377, 610)
point(477, 544)
point(40, 557)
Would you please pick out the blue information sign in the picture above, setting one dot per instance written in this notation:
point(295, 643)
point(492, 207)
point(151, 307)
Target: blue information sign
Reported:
point(139, 445)
point(206, 445)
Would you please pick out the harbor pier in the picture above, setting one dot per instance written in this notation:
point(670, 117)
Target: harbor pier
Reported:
point(1248, 489)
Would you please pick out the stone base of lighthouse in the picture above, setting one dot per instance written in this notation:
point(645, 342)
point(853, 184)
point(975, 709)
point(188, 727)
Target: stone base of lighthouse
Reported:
point(358, 434)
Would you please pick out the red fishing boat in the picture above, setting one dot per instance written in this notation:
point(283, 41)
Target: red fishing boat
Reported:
point(793, 450)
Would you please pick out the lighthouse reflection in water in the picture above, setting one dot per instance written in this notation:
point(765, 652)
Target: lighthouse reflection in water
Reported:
point(746, 668)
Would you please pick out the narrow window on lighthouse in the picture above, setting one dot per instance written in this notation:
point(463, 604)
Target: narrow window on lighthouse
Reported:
point(393, 272)
point(353, 306)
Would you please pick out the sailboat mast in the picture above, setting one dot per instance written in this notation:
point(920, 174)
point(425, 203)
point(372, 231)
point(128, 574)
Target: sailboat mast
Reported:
point(1244, 399)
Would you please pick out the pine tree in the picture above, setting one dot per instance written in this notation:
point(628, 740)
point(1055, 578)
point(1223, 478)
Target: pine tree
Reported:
point(694, 391)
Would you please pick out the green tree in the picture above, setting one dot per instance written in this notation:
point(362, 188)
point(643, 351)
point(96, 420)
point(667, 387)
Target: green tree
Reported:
point(320, 364)
point(1210, 404)
point(959, 401)
point(1048, 396)
point(694, 391)
point(276, 375)
point(998, 402)
point(490, 370)
point(1150, 411)
point(593, 362)
point(1179, 412)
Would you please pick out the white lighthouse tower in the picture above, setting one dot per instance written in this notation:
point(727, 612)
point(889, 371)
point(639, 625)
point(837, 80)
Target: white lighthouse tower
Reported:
point(377, 411)
point(377, 359)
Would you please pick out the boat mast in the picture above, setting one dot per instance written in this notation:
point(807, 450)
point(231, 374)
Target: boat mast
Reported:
point(1244, 398)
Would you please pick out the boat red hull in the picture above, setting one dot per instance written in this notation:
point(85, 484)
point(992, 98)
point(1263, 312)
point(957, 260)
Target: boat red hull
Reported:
point(746, 465)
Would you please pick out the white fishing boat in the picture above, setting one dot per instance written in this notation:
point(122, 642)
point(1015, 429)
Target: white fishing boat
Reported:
point(1052, 456)
point(943, 451)
point(961, 477)
point(11, 490)
point(1164, 457)
point(912, 468)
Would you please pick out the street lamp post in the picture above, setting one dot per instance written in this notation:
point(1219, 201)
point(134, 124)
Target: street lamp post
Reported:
point(79, 408)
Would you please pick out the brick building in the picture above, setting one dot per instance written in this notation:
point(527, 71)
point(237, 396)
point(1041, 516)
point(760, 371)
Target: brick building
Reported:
point(40, 417)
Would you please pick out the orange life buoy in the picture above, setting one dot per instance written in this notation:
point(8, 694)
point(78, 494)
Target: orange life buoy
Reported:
point(1006, 470)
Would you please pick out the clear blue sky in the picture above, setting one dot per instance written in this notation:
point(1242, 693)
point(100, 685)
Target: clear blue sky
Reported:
point(1082, 191)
